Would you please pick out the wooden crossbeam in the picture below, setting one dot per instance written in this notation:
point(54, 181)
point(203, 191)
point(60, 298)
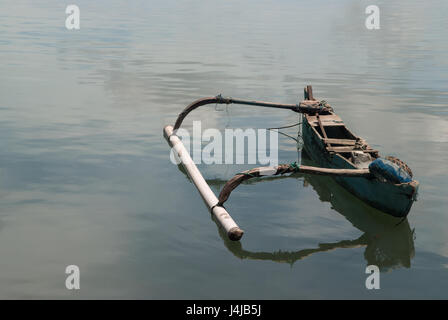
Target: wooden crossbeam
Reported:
point(349, 149)
point(323, 130)
point(346, 142)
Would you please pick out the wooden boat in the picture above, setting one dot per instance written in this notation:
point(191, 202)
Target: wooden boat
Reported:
point(329, 143)
point(385, 184)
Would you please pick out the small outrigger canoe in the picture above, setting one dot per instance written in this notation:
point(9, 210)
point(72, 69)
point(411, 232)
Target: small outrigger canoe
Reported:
point(330, 144)
point(386, 183)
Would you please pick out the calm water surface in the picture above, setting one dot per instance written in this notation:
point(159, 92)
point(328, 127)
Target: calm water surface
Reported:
point(85, 176)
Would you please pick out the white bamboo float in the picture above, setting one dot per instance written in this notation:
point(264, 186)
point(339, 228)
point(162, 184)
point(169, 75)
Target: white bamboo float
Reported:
point(222, 216)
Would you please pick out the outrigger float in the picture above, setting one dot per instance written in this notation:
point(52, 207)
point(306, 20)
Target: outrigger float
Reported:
point(386, 183)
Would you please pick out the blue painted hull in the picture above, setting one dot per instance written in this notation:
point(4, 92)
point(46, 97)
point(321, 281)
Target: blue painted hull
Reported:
point(393, 199)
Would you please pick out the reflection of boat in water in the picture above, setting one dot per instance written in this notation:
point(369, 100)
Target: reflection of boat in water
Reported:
point(388, 241)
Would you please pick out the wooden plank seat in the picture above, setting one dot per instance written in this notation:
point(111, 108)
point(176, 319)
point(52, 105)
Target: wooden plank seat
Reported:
point(345, 142)
point(349, 149)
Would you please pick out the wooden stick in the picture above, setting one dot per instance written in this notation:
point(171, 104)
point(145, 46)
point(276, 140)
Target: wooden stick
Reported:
point(221, 100)
point(309, 90)
point(283, 169)
point(350, 149)
point(345, 142)
point(335, 172)
point(221, 214)
point(324, 133)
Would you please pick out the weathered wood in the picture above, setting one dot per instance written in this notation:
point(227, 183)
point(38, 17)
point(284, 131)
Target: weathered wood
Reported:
point(327, 120)
point(283, 169)
point(308, 103)
point(252, 173)
point(221, 100)
point(393, 199)
point(349, 149)
point(324, 133)
point(329, 123)
point(309, 89)
point(335, 172)
point(346, 142)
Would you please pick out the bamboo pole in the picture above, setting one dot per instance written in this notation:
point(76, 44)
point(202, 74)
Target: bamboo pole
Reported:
point(228, 224)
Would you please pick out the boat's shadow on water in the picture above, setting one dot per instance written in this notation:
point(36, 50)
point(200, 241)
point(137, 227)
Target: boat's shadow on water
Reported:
point(388, 241)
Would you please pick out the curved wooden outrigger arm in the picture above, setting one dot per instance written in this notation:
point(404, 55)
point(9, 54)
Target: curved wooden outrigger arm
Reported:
point(314, 107)
point(283, 169)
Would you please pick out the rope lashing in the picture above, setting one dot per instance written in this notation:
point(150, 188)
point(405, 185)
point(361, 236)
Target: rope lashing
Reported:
point(324, 104)
point(295, 166)
point(318, 106)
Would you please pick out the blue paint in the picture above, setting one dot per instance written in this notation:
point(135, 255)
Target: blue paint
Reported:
point(393, 199)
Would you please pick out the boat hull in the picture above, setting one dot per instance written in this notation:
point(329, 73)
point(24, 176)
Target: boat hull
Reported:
point(393, 199)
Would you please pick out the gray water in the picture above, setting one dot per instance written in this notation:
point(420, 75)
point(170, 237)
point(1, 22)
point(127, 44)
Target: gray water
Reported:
point(85, 176)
